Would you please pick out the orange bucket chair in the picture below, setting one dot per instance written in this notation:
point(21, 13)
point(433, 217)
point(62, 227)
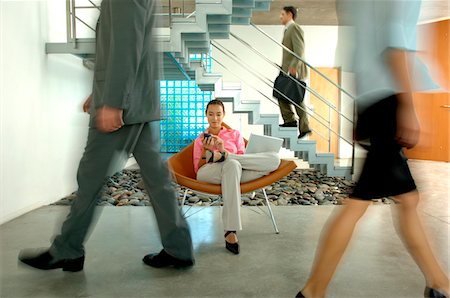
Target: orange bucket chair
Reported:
point(181, 165)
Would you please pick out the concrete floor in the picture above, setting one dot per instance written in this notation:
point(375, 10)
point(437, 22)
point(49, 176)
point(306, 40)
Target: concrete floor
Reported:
point(269, 265)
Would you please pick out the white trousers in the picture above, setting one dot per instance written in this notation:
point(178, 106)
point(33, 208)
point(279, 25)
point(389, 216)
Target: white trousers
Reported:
point(230, 173)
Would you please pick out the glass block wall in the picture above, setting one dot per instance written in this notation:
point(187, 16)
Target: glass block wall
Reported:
point(183, 111)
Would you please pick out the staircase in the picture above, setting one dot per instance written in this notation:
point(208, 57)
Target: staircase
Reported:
point(192, 35)
point(304, 149)
point(212, 20)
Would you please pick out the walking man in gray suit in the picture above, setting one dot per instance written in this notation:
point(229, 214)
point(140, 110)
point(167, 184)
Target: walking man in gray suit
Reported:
point(124, 100)
point(293, 40)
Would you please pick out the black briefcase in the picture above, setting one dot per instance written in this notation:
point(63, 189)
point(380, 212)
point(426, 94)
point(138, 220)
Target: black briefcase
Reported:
point(290, 87)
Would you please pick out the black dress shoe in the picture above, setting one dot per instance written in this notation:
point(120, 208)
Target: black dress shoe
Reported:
point(163, 259)
point(45, 261)
point(300, 295)
point(232, 247)
point(303, 134)
point(433, 293)
point(289, 124)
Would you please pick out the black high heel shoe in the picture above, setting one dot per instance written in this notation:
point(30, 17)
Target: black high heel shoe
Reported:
point(433, 293)
point(300, 295)
point(233, 247)
point(45, 261)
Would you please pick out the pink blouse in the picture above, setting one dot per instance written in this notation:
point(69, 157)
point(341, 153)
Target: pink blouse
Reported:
point(232, 139)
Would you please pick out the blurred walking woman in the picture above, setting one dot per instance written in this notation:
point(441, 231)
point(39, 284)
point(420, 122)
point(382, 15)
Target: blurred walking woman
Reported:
point(218, 159)
point(387, 73)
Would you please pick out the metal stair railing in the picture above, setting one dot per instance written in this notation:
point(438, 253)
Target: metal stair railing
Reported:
point(254, 88)
point(303, 60)
point(72, 18)
point(181, 13)
point(268, 81)
point(325, 101)
point(264, 80)
point(353, 144)
point(270, 99)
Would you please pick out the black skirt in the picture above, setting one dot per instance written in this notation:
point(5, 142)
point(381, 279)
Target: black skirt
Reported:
point(385, 172)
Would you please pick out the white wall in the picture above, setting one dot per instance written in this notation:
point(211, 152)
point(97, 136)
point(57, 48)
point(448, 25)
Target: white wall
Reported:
point(43, 130)
point(320, 41)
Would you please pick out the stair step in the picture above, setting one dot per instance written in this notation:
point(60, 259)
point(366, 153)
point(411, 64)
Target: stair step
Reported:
point(249, 101)
point(325, 155)
point(262, 6)
point(179, 20)
point(219, 28)
point(240, 21)
point(194, 36)
point(218, 19)
point(244, 3)
point(219, 35)
point(241, 12)
point(197, 44)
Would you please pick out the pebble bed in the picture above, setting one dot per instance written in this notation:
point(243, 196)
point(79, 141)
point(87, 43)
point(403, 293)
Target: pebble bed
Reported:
point(302, 187)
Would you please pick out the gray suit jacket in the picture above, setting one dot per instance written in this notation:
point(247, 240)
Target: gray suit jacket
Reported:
point(126, 64)
point(293, 40)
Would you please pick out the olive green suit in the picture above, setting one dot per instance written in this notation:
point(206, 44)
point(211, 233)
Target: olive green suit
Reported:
point(293, 40)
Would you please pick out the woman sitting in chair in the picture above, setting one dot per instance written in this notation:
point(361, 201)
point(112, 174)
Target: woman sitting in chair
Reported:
point(218, 159)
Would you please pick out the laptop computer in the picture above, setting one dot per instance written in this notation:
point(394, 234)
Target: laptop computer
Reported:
point(261, 143)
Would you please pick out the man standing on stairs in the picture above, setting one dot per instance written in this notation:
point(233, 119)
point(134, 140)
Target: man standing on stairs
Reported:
point(124, 100)
point(293, 40)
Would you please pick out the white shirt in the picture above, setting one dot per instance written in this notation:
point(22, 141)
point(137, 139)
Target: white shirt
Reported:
point(376, 27)
point(288, 24)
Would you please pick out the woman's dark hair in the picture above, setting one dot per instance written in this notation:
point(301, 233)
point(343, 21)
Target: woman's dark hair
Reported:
point(292, 10)
point(216, 102)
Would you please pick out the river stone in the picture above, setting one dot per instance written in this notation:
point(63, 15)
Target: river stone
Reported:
point(122, 202)
point(282, 202)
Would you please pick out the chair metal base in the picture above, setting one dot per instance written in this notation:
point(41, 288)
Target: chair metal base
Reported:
point(271, 215)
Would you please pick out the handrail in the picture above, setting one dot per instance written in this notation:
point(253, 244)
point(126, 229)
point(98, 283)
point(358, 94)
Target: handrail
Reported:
point(254, 88)
point(290, 100)
point(191, 14)
point(279, 68)
point(93, 4)
point(303, 60)
point(269, 80)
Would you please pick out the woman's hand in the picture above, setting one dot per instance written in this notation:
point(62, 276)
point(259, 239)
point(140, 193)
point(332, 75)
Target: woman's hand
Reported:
point(209, 143)
point(408, 129)
point(219, 144)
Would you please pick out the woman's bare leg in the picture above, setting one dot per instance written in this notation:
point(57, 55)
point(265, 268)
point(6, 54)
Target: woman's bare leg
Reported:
point(414, 238)
point(336, 237)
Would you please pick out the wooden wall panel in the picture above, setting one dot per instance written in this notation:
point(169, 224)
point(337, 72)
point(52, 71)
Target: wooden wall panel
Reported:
point(330, 92)
point(433, 108)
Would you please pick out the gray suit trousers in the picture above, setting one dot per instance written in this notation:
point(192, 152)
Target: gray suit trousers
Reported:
point(103, 155)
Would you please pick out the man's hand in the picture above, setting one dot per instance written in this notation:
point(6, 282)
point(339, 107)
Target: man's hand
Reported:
point(109, 119)
point(87, 104)
point(408, 128)
point(293, 71)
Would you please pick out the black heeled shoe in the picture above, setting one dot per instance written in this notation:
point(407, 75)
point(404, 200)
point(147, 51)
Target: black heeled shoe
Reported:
point(233, 247)
point(433, 293)
point(45, 261)
point(300, 295)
